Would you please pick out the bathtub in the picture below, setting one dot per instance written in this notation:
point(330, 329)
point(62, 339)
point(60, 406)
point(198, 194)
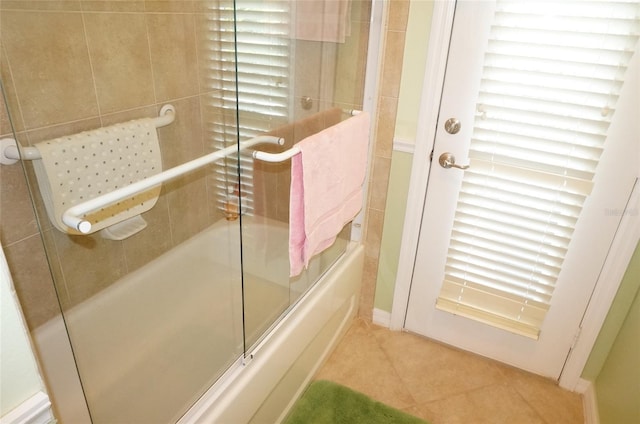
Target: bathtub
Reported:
point(131, 365)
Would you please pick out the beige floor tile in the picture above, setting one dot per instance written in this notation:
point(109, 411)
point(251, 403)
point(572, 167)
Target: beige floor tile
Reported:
point(417, 411)
point(433, 371)
point(554, 404)
point(495, 404)
point(359, 363)
point(444, 385)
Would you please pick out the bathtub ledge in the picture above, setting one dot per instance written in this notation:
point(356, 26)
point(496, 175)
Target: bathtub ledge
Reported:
point(284, 363)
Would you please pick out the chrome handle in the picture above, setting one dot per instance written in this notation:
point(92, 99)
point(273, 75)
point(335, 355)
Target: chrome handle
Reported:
point(447, 160)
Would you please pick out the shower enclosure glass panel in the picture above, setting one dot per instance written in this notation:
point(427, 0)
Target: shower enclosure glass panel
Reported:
point(155, 318)
point(308, 80)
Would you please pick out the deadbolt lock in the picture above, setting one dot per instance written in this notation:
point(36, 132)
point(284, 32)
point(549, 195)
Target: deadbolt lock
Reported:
point(452, 126)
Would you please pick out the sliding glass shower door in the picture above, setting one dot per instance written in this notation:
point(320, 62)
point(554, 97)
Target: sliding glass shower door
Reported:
point(300, 69)
point(152, 303)
point(157, 304)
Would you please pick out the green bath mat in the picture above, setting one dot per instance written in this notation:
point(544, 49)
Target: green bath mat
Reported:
point(325, 402)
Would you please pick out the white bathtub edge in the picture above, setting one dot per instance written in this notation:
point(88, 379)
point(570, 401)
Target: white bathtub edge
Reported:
point(59, 371)
point(341, 329)
point(35, 410)
point(237, 399)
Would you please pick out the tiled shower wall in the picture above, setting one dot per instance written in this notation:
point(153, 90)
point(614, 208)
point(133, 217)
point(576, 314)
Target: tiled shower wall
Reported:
point(82, 79)
point(387, 103)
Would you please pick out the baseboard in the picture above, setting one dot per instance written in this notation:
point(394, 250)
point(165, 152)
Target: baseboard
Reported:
point(589, 401)
point(35, 410)
point(381, 318)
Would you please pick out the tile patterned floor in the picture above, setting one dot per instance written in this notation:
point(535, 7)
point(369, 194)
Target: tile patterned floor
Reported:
point(421, 377)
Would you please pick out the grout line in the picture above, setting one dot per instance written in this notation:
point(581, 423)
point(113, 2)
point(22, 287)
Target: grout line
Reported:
point(151, 66)
point(93, 73)
point(22, 122)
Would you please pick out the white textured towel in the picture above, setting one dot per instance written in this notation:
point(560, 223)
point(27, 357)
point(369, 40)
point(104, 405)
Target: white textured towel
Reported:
point(80, 167)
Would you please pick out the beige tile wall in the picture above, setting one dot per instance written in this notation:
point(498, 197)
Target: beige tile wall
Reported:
point(387, 103)
point(65, 69)
point(272, 180)
point(70, 66)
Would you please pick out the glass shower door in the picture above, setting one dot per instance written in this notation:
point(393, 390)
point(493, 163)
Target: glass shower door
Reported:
point(153, 318)
point(291, 83)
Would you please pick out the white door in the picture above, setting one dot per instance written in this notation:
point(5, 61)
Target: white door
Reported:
point(615, 177)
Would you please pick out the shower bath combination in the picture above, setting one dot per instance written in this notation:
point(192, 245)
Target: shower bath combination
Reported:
point(171, 307)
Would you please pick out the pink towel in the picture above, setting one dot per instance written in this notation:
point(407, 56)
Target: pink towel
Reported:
point(323, 20)
point(326, 187)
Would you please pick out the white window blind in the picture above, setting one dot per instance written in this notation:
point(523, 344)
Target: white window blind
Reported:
point(248, 50)
point(551, 78)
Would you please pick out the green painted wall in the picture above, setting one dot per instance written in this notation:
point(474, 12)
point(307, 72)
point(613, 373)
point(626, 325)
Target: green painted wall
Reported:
point(19, 374)
point(618, 384)
point(413, 66)
point(616, 316)
point(392, 232)
point(614, 363)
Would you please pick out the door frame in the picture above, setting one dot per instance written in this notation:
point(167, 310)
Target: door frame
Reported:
point(621, 250)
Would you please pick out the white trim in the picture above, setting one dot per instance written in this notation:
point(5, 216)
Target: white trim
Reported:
point(613, 270)
point(381, 318)
point(35, 410)
point(583, 386)
point(439, 37)
point(589, 401)
point(404, 145)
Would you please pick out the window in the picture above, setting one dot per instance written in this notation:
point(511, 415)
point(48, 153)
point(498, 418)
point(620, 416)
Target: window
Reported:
point(260, 30)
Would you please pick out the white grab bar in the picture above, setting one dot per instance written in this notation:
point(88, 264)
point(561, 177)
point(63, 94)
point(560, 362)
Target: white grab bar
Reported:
point(72, 216)
point(276, 157)
point(288, 154)
point(10, 154)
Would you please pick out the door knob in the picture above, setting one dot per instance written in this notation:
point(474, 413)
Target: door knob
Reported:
point(447, 160)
